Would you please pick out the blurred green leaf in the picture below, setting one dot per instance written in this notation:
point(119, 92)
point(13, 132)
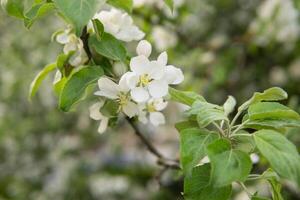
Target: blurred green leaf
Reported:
point(184, 97)
point(14, 7)
point(123, 4)
point(76, 85)
point(99, 28)
point(37, 11)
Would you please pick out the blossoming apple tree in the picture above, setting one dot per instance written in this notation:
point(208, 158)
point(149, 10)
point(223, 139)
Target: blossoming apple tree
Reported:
point(215, 150)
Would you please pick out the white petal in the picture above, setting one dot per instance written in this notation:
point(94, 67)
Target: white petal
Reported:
point(129, 34)
point(95, 111)
point(163, 58)
point(140, 64)
point(157, 118)
point(103, 125)
point(158, 89)
point(124, 87)
point(160, 104)
point(130, 109)
point(57, 77)
point(139, 94)
point(173, 75)
point(144, 48)
point(156, 70)
point(108, 88)
point(254, 158)
point(63, 38)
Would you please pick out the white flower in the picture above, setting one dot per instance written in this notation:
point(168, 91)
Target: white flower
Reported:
point(97, 115)
point(119, 24)
point(151, 110)
point(150, 78)
point(254, 158)
point(163, 38)
point(118, 92)
point(72, 44)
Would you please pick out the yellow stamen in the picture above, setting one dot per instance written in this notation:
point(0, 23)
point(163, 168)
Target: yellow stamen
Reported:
point(144, 80)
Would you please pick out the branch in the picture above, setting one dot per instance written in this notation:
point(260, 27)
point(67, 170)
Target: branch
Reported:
point(161, 160)
point(85, 40)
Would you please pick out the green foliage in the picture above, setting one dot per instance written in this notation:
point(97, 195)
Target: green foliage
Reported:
point(109, 47)
point(274, 181)
point(170, 4)
point(36, 11)
point(198, 186)
point(76, 85)
point(78, 12)
point(281, 153)
point(184, 97)
point(34, 86)
point(14, 7)
point(99, 28)
point(123, 4)
point(193, 143)
point(228, 164)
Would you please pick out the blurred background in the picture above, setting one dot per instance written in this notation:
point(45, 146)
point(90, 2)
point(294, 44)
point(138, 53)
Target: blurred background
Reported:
point(223, 47)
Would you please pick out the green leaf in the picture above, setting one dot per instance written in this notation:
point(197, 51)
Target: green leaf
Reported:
point(228, 164)
point(272, 124)
point(197, 187)
point(78, 12)
point(14, 7)
point(110, 109)
point(34, 86)
point(75, 87)
point(180, 126)
point(207, 113)
point(99, 28)
point(271, 110)
point(184, 97)
point(280, 152)
point(123, 4)
point(273, 179)
point(109, 47)
point(271, 94)
point(170, 4)
point(37, 11)
point(259, 198)
point(193, 142)
point(244, 142)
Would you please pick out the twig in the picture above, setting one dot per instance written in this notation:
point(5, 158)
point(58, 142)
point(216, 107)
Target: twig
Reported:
point(85, 40)
point(161, 160)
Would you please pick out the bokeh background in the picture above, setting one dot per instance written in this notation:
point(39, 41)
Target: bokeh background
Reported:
point(223, 47)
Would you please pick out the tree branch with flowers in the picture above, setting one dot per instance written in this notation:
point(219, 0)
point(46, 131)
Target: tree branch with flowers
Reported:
point(215, 150)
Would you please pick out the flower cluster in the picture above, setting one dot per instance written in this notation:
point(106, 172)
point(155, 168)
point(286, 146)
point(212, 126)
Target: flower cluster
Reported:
point(119, 24)
point(73, 46)
point(141, 91)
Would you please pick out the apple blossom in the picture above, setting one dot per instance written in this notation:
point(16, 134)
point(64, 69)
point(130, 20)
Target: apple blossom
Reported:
point(163, 38)
point(150, 78)
point(119, 24)
point(73, 45)
point(97, 115)
point(118, 92)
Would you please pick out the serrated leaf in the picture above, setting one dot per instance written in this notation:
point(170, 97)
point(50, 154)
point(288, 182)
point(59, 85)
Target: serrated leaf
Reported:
point(193, 142)
point(280, 152)
point(78, 12)
point(271, 110)
point(76, 85)
point(197, 187)
point(37, 11)
point(122, 4)
point(184, 97)
point(109, 47)
point(228, 164)
point(14, 7)
point(271, 94)
point(34, 86)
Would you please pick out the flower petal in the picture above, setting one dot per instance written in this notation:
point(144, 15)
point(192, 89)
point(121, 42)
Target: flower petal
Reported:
point(95, 111)
point(139, 94)
point(144, 48)
point(158, 88)
point(160, 104)
point(103, 125)
point(130, 109)
point(173, 75)
point(156, 70)
point(157, 118)
point(131, 80)
point(163, 58)
point(108, 88)
point(140, 64)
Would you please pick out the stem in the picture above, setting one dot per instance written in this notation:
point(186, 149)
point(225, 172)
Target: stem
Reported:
point(161, 160)
point(241, 134)
point(241, 126)
point(235, 118)
point(220, 129)
point(245, 189)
